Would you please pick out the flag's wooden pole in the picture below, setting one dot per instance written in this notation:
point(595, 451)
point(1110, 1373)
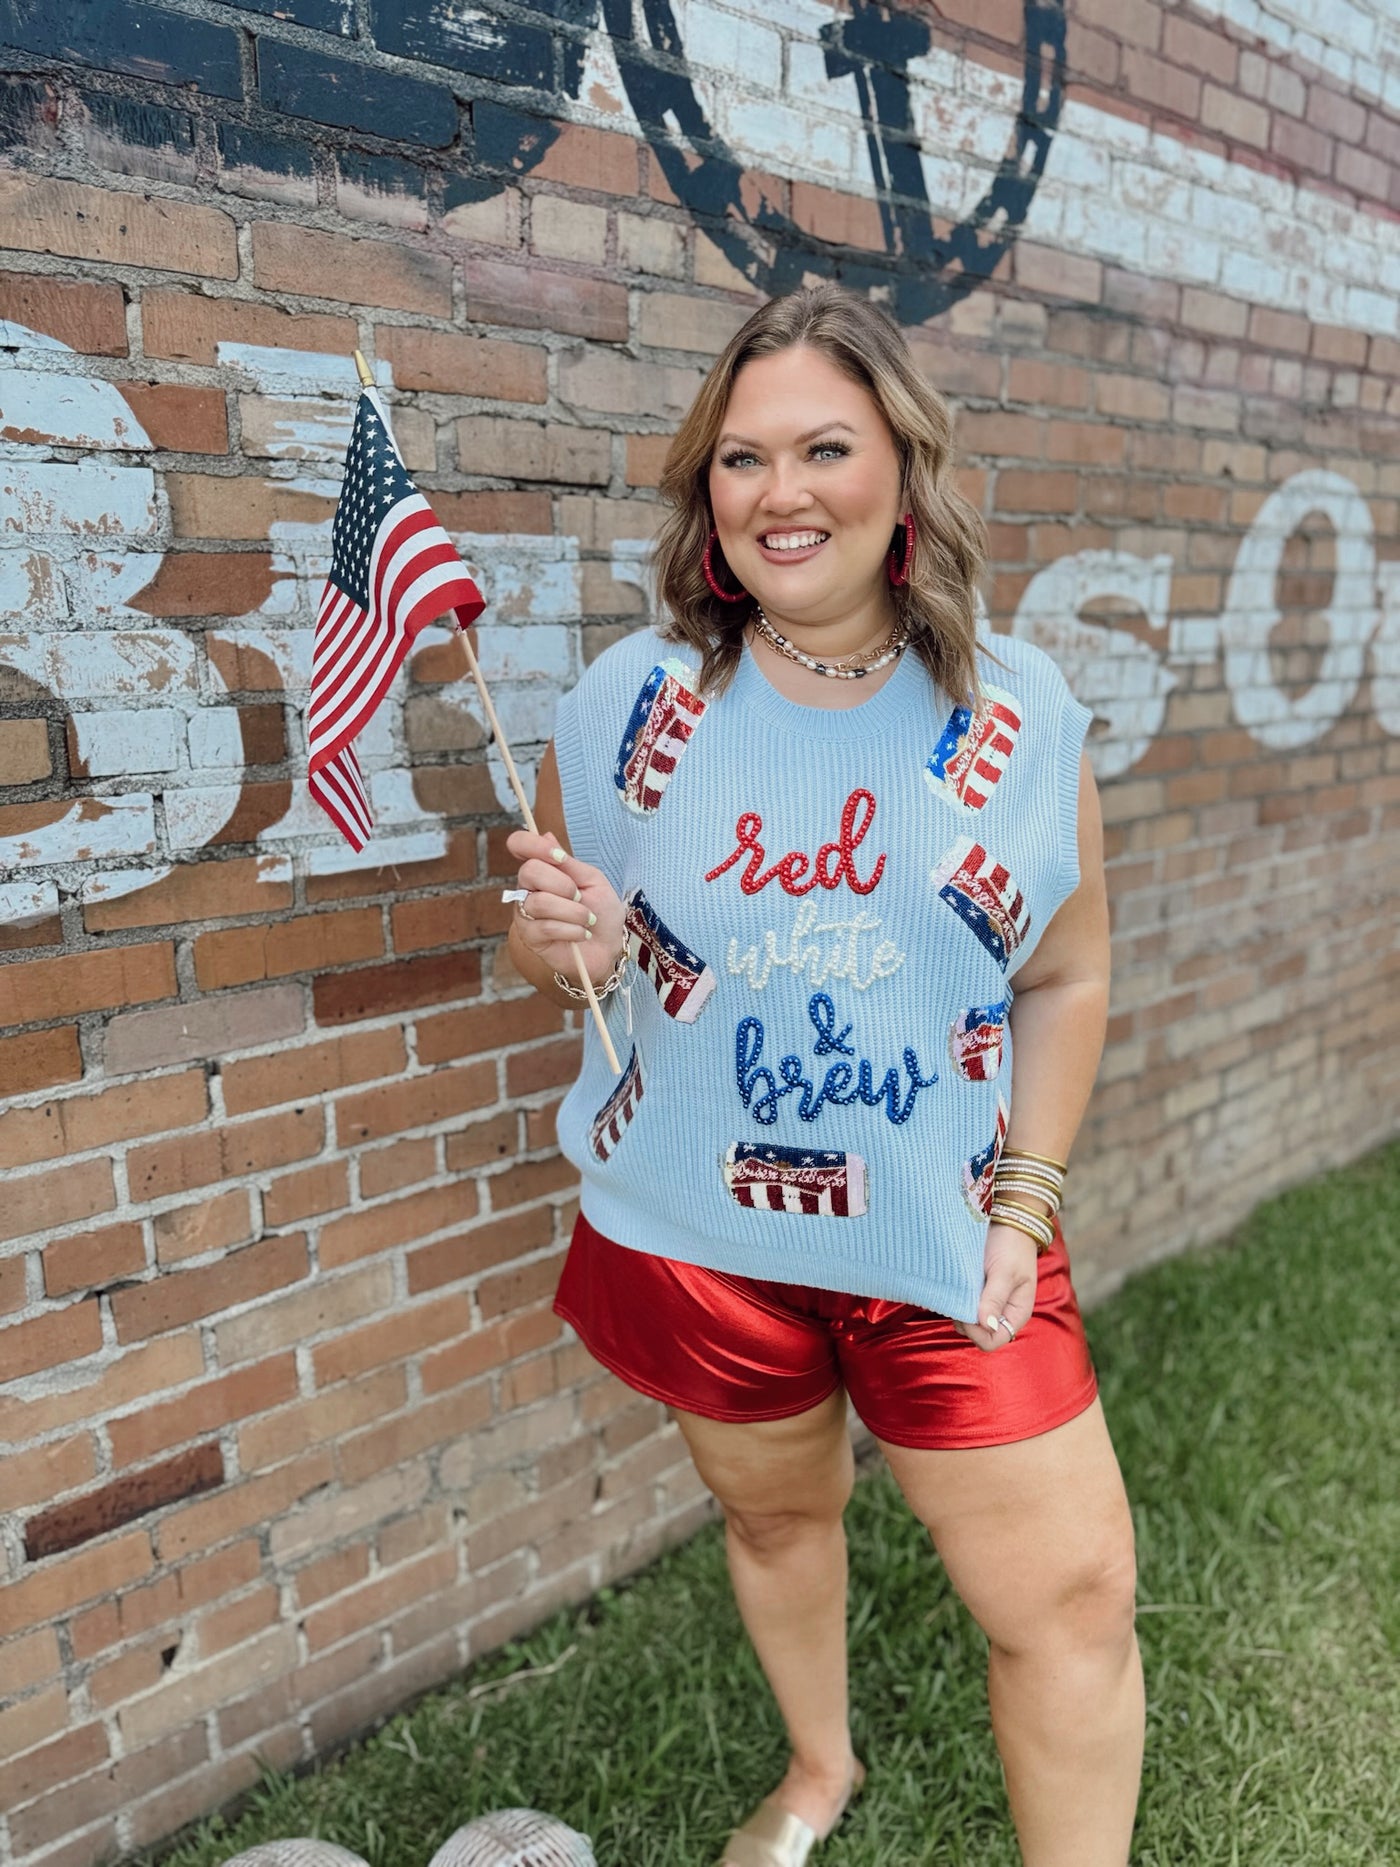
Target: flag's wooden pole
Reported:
point(504, 746)
point(367, 380)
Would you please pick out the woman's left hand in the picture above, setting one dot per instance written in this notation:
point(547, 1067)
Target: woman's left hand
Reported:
point(1008, 1266)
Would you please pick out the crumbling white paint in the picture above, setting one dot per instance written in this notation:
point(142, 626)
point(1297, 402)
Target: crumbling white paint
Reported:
point(22, 903)
point(87, 831)
point(1110, 670)
point(1251, 610)
point(113, 745)
point(1385, 651)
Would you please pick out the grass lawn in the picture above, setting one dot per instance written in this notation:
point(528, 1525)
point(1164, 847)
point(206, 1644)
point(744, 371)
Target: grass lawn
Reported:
point(1251, 1392)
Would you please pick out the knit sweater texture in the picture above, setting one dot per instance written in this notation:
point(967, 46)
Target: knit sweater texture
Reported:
point(826, 908)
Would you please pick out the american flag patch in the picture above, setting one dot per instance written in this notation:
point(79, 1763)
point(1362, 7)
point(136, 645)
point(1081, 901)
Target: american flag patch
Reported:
point(981, 893)
point(977, 1173)
point(975, 1039)
point(682, 979)
point(617, 1112)
point(972, 753)
point(795, 1179)
point(659, 730)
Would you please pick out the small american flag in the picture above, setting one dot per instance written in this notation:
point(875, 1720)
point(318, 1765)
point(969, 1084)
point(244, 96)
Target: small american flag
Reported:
point(393, 571)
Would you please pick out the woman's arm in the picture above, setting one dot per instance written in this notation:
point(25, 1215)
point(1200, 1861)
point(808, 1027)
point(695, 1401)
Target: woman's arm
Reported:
point(1059, 1014)
point(1058, 1019)
point(568, 901)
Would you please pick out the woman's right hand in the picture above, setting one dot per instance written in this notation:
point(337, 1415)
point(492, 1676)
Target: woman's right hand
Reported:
point(567, 902)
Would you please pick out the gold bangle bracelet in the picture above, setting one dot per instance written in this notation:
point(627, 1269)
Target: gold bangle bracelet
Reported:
point(1000, 1216)
point(1021, 1153)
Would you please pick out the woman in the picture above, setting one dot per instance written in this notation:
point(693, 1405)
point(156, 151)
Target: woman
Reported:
point(807, 838)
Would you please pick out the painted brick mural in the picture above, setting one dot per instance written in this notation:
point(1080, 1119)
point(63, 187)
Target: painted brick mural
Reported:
point(288, 1430)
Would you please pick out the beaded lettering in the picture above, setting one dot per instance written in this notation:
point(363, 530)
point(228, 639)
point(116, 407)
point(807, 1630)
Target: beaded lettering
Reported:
point(857, 816)
point(843, 1083)
point(817, 950)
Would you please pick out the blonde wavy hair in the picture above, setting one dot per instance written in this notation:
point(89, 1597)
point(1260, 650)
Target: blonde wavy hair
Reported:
point(936, 605)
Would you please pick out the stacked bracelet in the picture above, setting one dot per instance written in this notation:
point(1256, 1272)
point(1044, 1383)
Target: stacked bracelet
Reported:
point(610, 984)
point(1018, 1171)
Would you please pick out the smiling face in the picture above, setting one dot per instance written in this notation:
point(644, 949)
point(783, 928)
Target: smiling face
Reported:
point(805, 487)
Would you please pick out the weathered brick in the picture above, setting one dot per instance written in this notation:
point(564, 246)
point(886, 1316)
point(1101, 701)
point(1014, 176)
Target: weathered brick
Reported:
point(33, 991)
point(210, 1027)
point(242, 955)
point(206, 1225)
point(402, 1163)
point(518, 450)
point(178, 1297)
point(328, 1304)
point(294, 1075)
point(87, 317)
point(250, 1505)
point(381, 991)
point(267, 166)
point(50, 1764)
point(390, 1339)
point(47, 1593)
point(88, 1260)
point(45, 1473)
point(176, 416)
point(478, 1248)
point(64, 1526)
point(309, 1422)
point(142, 41)
point(188, 327)
point(44, 215)
point(225, 1153)
point(204, 1409)
point(40, 1060)
point(40, 1202)
point(77, 1124)
point(294, 1197)
point(303, 260)
point(303, 81)
point(533, 298)
point(373, 1602)
point(448, 363)
point(419, 29)
point(394, 1222)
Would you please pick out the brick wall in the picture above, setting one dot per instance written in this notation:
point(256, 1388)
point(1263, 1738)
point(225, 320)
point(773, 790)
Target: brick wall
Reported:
point(289, 1429)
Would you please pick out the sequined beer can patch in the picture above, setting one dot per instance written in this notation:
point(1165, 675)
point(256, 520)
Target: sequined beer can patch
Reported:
point(795, 1179)
point(975, 1041)
point(617, 1112)
point(972, 752)
point(663, 718)
point(978, 1172)
point(682, 980)
point(980, 891)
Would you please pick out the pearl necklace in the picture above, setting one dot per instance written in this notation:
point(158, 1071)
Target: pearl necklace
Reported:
point(894, 646)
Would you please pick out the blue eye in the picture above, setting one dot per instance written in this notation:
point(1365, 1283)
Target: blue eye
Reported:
point(836, 448)
point(732, 460)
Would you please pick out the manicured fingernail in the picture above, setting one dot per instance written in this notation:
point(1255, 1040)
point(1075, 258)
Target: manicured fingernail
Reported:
point(578, 894)
point(592, 919)
point(588, 933)
point(557, 855)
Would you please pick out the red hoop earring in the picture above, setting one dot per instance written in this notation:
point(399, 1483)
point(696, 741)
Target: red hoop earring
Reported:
point(740, 595)
point(902, 563)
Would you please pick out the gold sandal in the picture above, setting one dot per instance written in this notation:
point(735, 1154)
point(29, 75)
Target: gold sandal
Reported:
point(774, 1837)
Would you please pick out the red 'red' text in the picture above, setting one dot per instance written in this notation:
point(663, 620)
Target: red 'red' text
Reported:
point(834, 864)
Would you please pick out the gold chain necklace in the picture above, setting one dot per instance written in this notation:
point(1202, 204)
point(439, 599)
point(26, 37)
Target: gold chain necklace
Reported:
point(844, 668)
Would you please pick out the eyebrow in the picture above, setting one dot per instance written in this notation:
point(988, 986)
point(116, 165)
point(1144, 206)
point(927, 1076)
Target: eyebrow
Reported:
point(810, 435)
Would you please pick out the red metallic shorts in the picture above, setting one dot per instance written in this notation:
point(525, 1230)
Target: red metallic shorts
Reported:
point(744, 1348)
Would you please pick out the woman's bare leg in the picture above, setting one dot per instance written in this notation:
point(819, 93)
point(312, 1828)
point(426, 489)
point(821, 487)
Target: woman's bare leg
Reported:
point(1038, 1541)
point(783, 1486)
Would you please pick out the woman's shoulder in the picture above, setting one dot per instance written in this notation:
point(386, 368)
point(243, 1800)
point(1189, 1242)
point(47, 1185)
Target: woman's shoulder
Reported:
point(617, 673)
point(1022, 667)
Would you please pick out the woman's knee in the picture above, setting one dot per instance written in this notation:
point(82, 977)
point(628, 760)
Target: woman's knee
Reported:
point(1087, 1601)
point(768, 1532)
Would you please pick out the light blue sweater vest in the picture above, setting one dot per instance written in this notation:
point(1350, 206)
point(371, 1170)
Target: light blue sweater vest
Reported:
point(826, 908)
